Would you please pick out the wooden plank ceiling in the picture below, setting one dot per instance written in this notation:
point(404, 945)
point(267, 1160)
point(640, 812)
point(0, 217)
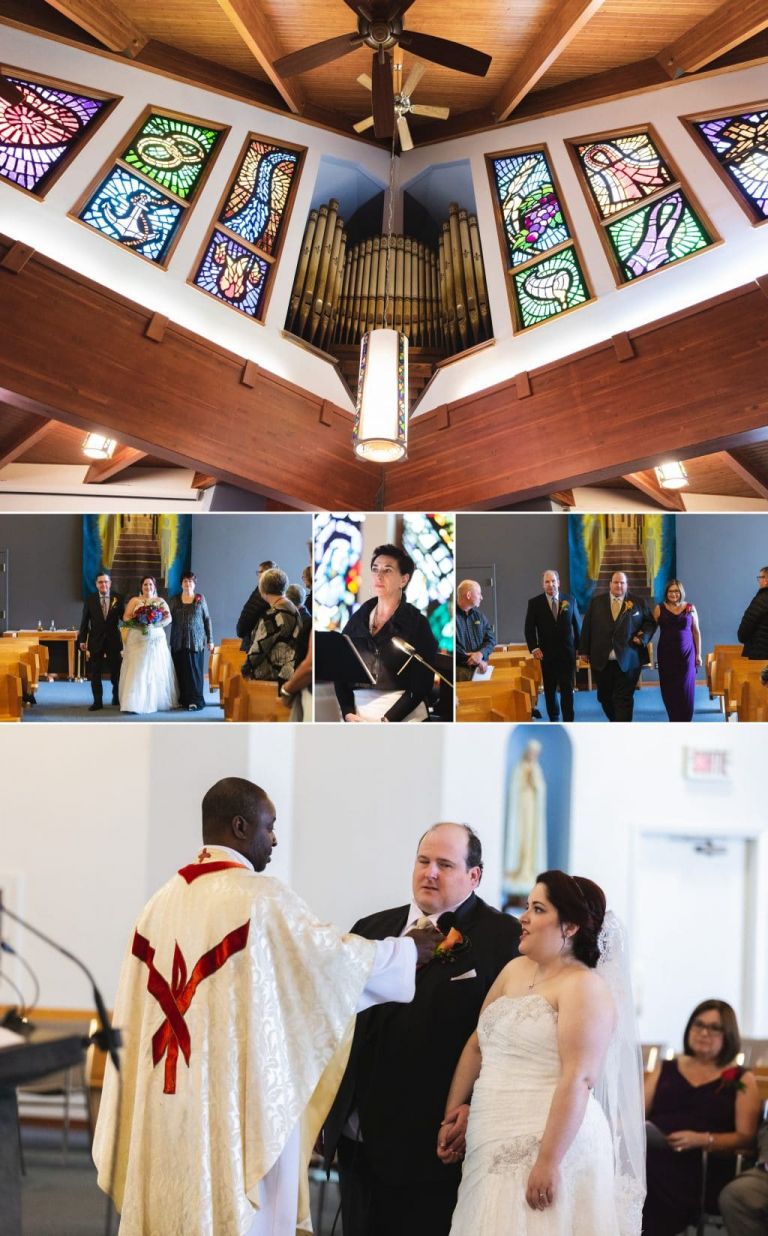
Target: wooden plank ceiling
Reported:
point(541, 50)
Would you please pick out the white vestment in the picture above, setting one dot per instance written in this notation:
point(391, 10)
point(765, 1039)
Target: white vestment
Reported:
point(237, 1008)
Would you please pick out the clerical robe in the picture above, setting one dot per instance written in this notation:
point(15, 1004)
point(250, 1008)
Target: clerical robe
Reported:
point(237, 1008)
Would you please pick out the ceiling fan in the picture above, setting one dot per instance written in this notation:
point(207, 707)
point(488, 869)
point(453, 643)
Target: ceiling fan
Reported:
point(380, 27)
point(403, 103)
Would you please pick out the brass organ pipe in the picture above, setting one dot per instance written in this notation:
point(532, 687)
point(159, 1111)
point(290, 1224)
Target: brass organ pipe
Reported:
point(301, 270)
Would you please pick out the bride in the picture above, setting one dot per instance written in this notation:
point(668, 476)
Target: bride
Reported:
point(555, 1131)
point(147, 678)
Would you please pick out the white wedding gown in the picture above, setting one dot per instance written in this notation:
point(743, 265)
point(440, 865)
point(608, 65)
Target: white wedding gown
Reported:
point(510, 1104)
point(147, 677)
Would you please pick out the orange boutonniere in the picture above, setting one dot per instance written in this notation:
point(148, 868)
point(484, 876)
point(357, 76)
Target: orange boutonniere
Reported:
point(564, 605)
point(628, 605)
point(451, 945)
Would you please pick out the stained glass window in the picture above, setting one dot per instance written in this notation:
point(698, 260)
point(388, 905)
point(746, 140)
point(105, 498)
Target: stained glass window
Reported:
point(429, 541)
point(40, 132)
point(172, 152)
point(251, 222)
point(126, 209)
point(544, 272)
point(739, 146)
point(338, 550)
point(645, 216)
point(143, 198)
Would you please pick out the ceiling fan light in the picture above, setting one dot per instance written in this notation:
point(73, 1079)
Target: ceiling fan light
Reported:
point(381, 423)
point(98, 446)
point(672, 475)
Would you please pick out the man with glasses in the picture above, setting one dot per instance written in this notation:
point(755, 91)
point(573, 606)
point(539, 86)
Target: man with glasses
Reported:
point(753, 629)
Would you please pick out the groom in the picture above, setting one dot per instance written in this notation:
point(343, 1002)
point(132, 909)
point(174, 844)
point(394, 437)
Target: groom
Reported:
point(99, 635)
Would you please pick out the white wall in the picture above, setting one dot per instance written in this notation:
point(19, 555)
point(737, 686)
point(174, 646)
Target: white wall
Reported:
point(90, 829)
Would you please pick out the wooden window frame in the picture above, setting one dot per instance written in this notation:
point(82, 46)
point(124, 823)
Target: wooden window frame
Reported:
point(690, 121)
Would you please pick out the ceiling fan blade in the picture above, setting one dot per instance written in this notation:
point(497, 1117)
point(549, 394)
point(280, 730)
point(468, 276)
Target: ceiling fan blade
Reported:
point(365, 81)
point(404, 133)
point(362, 125)
point(359, 6)
point(319, 53)
point(445, 52)
point(383, 96)
point(426, 109)
point(414, 77)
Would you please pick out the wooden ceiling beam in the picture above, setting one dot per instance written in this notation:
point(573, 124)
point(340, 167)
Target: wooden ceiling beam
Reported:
point(569, 18)
point(753, 479)
point(106, 21)
point(731, 24)
point(647, 483)
point(181, 64)
point(32, 430)
point(248, 18)
point(564, 497)
point(107, 469)
point(203, 480)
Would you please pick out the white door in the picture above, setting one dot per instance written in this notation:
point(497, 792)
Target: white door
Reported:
point(689, 925)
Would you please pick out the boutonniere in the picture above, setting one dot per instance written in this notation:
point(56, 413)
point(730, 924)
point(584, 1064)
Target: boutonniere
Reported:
point(564, 605)
point(628, 605)
point(450, 947)
point(114, 603)
point(688, 609)
point(730, 1079)
point(198, 598)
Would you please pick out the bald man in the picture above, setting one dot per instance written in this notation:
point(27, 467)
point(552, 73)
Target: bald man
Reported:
point(617, 629)
point(237, 1008)
point(390, 1105)
point(475, 639)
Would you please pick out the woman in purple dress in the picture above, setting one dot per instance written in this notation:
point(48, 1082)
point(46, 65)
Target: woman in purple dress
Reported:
point(699, 1101)
point(679, 651)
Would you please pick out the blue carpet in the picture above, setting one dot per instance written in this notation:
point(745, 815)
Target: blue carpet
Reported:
point(69, 701)
point(648, 706)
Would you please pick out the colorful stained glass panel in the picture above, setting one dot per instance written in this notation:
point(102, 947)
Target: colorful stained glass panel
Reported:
point(532, 215)
point(256, 203)
point(173, 153)
point(233, 274)
point(429, 541)
point(338, 542)
point(622, 171)
point(129, 210)
point(740, 145)
point(655, 235)
point(39, 131)
point(549, 287)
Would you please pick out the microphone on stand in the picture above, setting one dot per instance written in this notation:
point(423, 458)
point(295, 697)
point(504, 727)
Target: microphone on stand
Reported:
point(412, 655)
point(26, 1009)
point(107, 1037)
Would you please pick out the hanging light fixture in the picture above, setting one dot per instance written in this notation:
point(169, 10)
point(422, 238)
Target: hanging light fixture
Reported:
point(672, 476)
point(381, 420)
point(98, 446)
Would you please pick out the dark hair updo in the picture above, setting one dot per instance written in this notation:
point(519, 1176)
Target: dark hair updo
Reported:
point(579, 901)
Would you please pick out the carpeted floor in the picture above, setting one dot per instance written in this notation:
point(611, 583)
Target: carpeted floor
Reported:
point(648, 706)
point(60, 1196)
point(69, 701)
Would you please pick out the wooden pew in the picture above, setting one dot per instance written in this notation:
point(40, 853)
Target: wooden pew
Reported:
point(753, 700)
point(740, 670)
point(21, 662)
point(717, 664)
point(502, 697)
point(11, 707)
point(244, 700)
point(226, 660)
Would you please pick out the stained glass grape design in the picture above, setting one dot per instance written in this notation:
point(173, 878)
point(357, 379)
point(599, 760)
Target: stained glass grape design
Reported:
point(659, 233)
point(256, 203)
point(532, 215)
point(41, 131)
point(550, 287)
point(740, 145)
point(173, 153)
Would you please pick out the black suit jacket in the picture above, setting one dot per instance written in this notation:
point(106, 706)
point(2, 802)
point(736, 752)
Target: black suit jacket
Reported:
point(403, 1055)
point(753, 629)
point(100, 633)
point(250, 615)
point(600, 634)
point(557, 639)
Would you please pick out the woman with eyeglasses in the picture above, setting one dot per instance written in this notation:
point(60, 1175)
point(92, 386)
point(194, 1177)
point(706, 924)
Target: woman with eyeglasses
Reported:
point(700, 1101)
point(385, 631)
point(679, 651)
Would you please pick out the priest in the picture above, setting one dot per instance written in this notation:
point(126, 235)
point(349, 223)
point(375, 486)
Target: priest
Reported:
point(237, 1008)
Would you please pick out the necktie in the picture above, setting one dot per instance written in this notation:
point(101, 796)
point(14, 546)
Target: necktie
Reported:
point(420, 924)
point(615, 607)
point(553, 607)
point(104, 605)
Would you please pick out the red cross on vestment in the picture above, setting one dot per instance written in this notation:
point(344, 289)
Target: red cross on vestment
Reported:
point(203, 855)
point(175, 997)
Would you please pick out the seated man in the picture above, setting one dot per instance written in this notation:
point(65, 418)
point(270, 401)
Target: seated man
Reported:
point(475, 640)
point(744, 1202)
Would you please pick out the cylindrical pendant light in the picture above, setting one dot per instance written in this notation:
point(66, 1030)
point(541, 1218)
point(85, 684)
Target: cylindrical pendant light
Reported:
point(381, 423)
point(672, 475)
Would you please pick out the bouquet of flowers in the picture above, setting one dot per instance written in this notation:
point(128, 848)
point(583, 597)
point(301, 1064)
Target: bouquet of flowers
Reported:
point(144, 617)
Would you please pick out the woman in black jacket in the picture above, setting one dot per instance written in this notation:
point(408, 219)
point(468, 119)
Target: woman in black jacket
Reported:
point(401, 685)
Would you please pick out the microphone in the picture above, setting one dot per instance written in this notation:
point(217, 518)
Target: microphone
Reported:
point(107, 1038)
point(446, 921)
point(5, 947)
